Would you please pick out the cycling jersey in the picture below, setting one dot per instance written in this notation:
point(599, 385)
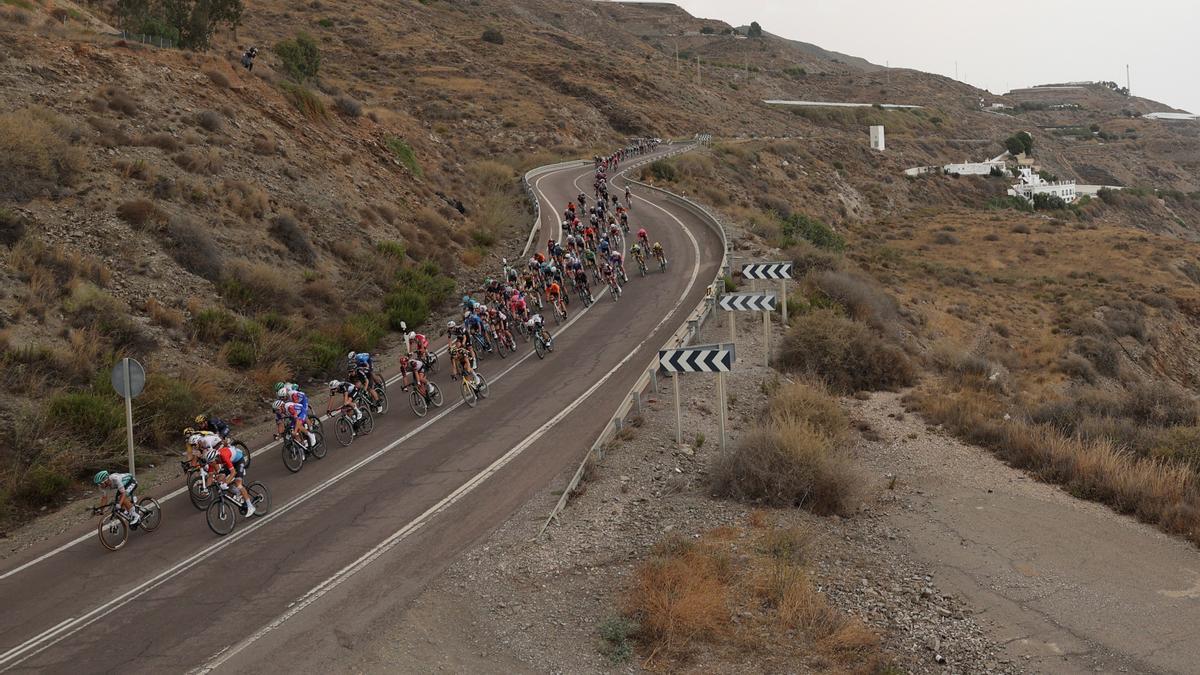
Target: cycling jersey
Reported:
point(590, 255)
point(293, 410)
point(346, 388)
point(124, 483)
point(205, 440)
point(553, 290)
point(473, 321)
point(421, 341)
point(232, 460)
point(216, 426)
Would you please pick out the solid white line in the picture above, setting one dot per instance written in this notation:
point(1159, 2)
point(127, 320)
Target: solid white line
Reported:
point(316, 592)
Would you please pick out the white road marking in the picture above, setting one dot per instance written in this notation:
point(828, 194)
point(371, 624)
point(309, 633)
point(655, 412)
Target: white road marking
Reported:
point(340, 577)
point(68, 627)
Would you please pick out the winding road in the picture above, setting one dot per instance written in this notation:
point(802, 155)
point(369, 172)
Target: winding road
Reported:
point(358, 534)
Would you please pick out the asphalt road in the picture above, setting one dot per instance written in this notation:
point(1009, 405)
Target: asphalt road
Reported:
point(358, 534)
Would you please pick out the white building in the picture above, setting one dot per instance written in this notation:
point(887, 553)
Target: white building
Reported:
point(1030, 184)
point(877, 142)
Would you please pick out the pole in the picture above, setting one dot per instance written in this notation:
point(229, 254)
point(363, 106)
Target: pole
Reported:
point(783, 297)
point(697, 70)
point(128, 414)
point(767, 339)
point(678, 414)
point(724, 413)
point(732, 325)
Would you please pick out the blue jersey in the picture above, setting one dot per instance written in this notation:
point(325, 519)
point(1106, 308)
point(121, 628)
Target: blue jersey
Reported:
point(362, 359)
point(473, 321)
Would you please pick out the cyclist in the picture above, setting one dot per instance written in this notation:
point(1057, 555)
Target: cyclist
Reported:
point(582, 199)
point(609, 276)
point(415, 367)
point(642, 237)
point(659, 253)
point(603, 247)
point(473, 324)
point(624, 215)
point(199, 442)
point(498, 323)
point(581, 282)
point(418, 344)
point(590, 256)
point(213, 424)
point(125, 484)
point(454, 342)
point(362, 373)
point(554, 297)
point(463, 362)
point(492, 288)
point(638, 254)
point(298, 413)
point(628, 198)
point(347, 390)
point(618, 263)
point(538, 327)
point(231, 468)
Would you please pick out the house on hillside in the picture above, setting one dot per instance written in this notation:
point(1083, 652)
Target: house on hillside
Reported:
point(1030, 183)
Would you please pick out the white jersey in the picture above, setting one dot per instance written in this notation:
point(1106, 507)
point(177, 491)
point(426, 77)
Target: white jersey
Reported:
point(205, 440)
point(118, 481)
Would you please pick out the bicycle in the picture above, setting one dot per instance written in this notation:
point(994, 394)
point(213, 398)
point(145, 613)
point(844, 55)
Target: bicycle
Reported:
point(560, 312)
point(363, 398)
point(430, 359)
point(114, 528)
point(494, 338)
point(196, 476)
point(295, 452)
point(420, 401)
point(585, 293)
point(222, 513)
point(641, 265)
point(542, 343)
point(662, 262)
point(345, 430)
point(473, 388)
point(614, 289)
point(481, 342)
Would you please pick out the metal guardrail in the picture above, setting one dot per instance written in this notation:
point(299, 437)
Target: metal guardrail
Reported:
point(682, 337)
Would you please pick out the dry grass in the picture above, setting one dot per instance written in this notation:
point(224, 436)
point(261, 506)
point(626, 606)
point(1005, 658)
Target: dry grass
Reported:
point(246, 200)
point(37, 153)
point(163, 315)
point(162, 141)
point(218, 78)
point(191, 245)
point(257, 286)
point(286, 231)
point(31, 256)
point(684, 597)
point(200, 161)
point(140, 213)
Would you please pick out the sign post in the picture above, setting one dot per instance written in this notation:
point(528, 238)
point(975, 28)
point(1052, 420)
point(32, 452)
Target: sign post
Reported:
point(752, 302)
point(772, 270)
point(129, 379)
point(699, 359)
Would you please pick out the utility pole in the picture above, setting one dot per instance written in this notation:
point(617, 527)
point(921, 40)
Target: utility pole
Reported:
point(956, 70)
point(1128, 87)
point(676, 56)
point(697, 70)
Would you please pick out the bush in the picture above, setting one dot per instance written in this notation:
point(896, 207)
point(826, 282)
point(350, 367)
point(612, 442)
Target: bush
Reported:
point(493, 35)
point(12, 228)
point(162, 141)
point(210, 120)
point(1100, 352)
point(814, 231)
point(87, 417)
point(139, 212)
point(1048, 202)
point(218, 78)
point(212, 325)
point(200, 161)
point(807, 259)
point(860, 296)
point(36, 153)
point(286, 231)
point(241, 354)
point(167, 405)
point(300, 56)
point(193, 248)
point(844, 353)
point(257, 286)
point(348, 106)
point(794, 464)
point(305, 100)
point(808, 403)
point(662, 170)
point(680, 595)
point(42, 485)
point(403, 153)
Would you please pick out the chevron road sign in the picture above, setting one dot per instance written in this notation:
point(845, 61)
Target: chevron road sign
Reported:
point(699, 359)
point(747, 302)
point(770, 270)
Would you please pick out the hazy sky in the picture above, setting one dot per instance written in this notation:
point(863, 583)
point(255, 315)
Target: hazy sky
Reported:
point(999, 45)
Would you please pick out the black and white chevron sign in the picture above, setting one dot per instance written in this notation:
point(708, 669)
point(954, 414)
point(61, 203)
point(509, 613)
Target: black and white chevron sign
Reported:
point(771, 270)
point(747, 302)
point(699, 359)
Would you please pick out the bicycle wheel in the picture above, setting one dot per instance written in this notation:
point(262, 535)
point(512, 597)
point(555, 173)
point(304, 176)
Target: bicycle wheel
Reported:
point(435, 395)
point(432, 362)
point(343, 431)
point(500, 346)
point(538, 347)
point(315, 425)
point(481, 386)
point(367, 424)
point(151, 513)
point(417, 401)
point(113, 531)
point(320, 448)
point(221, 517)
point(260, 496)
point(201, 496)
point(468, 393)
point(293, 455)
point(382, 404)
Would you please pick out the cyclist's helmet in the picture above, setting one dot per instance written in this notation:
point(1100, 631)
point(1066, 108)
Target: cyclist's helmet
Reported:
point(451, 324)
point(100, 477)
point(350, 355)
point(657, 245)
point(282, 392)
point(211, 456)
point(334, 384)
point(201, 419)
point(466, 299)
point(277, 405)
point(412, 335)
point(189, 432)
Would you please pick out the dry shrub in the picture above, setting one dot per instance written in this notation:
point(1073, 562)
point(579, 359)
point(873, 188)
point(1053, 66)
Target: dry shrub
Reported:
point(808, 403)
point(162, 141)
point(37, 153)
point(120, 100)
point(257, 286)
point(788, 465)
point(138, 169)
point(248, 201)
point(200, 161)
point(58, 263)
point(210, 120)
point(190, 245)
point(1099, 352)
point(163, 315)
point(493, 176)
point(498, 214)
point(13, 227)
point(218, 78)
point(286, 231)
point(844, 353)
point(862, 298)
point(141, 212)
point(347, 106)
point(261, 145)
point(431, 221)
point(111, 134)
point(680, 595)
